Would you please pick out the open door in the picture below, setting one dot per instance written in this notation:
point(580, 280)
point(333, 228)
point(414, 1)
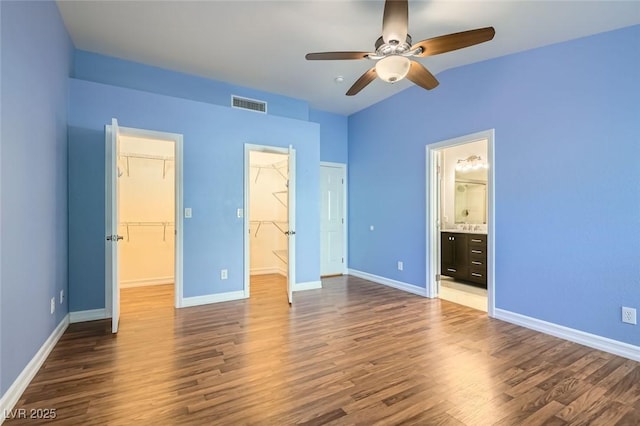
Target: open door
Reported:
point(291, 203)
point(112, 143)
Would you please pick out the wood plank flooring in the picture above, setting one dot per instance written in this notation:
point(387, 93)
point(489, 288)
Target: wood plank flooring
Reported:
point(353, 352)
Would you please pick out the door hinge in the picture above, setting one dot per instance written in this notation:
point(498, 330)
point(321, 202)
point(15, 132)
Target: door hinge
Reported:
point(342, 181)
point(343, 220)
point(343, 260)
point(438, 277)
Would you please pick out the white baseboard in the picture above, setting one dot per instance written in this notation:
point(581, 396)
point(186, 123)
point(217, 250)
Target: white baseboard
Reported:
point(309, 285)
point(13, 394)
point(587, 339)
point(90, 315)
point(147, 281)
point(410, 288)
point(267, 271)
point(212, 298)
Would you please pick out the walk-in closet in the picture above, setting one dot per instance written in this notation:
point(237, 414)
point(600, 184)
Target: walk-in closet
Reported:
point(268, 216)
point(146, 169)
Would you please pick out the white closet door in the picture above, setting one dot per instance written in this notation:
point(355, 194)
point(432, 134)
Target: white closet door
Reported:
point(291, 203)
point(112, 142)
point(332, 220)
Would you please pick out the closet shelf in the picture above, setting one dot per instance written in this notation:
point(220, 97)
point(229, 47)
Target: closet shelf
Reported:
point(283, 255)
point(275, 166)
point(164, 225)
point(163, 158)
point(281, 225)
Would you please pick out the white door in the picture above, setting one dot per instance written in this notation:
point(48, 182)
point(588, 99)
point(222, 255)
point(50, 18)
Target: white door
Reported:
point(332, 218)
point(291, 203)
point(112, 253)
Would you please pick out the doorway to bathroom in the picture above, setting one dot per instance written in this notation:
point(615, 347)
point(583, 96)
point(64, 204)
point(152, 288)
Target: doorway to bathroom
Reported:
point(459, 221)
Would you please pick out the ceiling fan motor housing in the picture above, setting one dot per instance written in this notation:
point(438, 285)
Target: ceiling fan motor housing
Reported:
point(384, 49)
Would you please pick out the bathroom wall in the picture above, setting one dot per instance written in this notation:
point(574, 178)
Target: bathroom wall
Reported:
point(450, 157)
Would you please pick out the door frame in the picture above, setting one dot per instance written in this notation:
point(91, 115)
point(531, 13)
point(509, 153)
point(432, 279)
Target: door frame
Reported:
point(433, 209)
point(345, 240)
point(178, 206)
point(248, 147)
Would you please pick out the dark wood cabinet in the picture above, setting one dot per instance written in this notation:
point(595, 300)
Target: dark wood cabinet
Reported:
point(464, 257)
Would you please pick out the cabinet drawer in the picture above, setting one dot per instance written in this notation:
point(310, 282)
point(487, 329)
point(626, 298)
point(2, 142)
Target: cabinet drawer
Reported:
point(477, 240)
point(478, 275)
point(477, 252)
point(478, 262)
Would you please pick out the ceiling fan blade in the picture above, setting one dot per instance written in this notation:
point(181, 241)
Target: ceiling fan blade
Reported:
point(395, 21)
point(336, 55)
point(455, 41)
point(362, 82)
point(422, 76)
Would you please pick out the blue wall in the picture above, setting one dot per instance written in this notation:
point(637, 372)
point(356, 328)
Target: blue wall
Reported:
point(567, 190)
point(214, 139)
point(333, 135)
point(36, 63)
point(117, 72)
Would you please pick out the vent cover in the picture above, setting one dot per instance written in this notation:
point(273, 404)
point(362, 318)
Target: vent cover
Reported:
point(250, 104)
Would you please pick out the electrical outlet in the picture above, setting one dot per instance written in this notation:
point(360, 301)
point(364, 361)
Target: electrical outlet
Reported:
point(400, 265)
point(629, 315)
point(53, 305)
point(61, 296)
point(224, 274)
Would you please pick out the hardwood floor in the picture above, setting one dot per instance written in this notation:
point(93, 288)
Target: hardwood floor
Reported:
point(353, 352)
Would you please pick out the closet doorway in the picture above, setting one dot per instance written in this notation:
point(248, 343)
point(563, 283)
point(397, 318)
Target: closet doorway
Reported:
point(143, 197)
point(460, 221)
point(270, 219)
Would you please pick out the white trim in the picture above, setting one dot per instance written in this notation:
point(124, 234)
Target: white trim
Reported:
point(409, 288)
point(178, 140)
point(268, 270)
point(587, 339)
point(146, 282)
point(345, 210)
point(13, 394)
point(90, 315)
point(431, 228)
point(212, 298)
point(309, 285)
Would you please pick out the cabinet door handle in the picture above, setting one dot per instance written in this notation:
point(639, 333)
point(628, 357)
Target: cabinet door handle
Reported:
point(476, 275)
point(451, 270)
point(475, 241)
point(476, 251)
point(476, 263)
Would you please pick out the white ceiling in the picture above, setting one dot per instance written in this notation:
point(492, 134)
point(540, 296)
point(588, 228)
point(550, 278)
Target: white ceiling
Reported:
point(261, 44)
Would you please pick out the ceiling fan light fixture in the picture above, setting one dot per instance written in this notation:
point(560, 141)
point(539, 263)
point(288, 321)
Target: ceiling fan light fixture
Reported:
point(393, 68)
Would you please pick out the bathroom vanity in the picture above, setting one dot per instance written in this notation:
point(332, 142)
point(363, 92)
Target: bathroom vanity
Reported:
point(464, 256)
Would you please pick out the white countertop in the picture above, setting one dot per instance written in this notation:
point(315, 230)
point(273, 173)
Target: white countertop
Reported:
point(464, 231)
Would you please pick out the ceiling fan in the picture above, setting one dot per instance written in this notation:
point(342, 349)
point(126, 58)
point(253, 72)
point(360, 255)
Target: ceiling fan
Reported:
point(394, 49)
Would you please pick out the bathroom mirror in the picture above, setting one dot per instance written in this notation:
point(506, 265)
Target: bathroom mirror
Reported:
point(470, 198)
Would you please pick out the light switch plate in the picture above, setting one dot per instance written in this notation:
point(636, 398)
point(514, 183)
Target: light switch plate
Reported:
point(187, 212)
point(240, 213)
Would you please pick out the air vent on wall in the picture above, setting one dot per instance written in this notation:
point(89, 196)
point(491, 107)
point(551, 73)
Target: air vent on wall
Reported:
point(250, 104)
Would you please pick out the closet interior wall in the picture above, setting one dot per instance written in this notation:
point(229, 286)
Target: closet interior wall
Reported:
point(146, 171)
point(268, 215)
